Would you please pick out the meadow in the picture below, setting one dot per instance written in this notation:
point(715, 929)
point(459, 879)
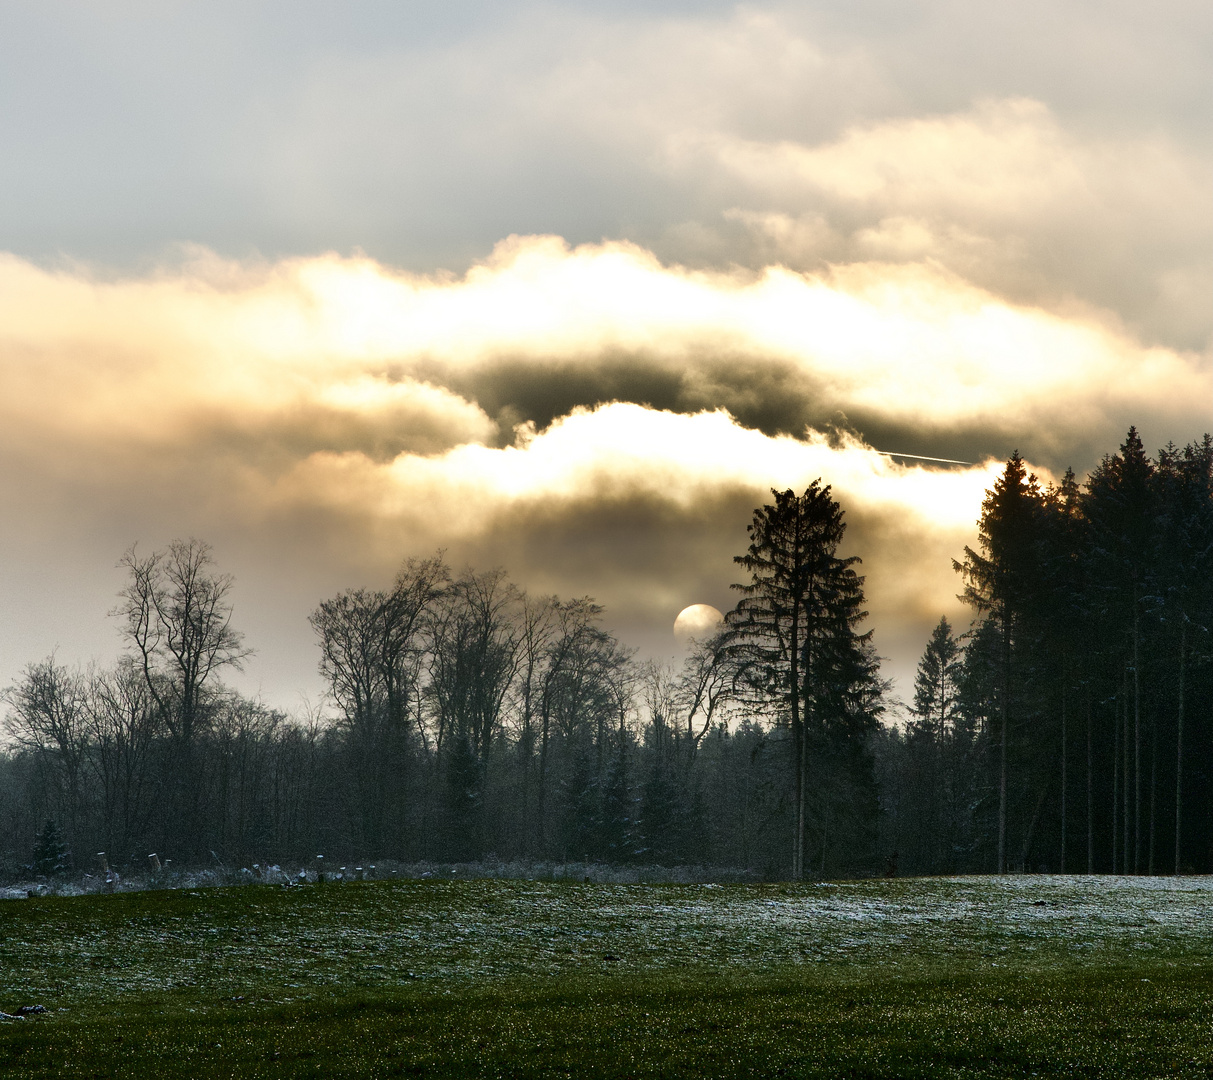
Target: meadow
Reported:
point(1009, 976)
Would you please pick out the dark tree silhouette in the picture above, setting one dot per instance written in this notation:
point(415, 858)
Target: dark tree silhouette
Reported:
point(373, 646)
point(793, 634)
point(1122, 508)
point(1000, 582)
point(466, 720)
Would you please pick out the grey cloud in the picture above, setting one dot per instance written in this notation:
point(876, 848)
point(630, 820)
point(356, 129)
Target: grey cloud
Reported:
point(424, 132)
point(1002, 193)
point(777, 398)
point(773, 396)
point(277, 440)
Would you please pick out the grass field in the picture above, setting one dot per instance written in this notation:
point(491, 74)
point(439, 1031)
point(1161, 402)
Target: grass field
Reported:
point(1020, 976)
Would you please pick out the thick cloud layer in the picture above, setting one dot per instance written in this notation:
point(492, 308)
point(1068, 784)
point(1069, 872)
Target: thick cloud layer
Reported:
point(604, 275)
point(592, 419)
point(1052, 152)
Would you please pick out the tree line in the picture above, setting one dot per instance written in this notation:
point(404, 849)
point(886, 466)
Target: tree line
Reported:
point(466, 719)
point(1069, 729)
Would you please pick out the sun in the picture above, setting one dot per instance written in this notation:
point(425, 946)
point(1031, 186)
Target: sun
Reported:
point(696, 621)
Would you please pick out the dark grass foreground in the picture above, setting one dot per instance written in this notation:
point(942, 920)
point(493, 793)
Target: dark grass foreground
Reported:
point(902, 979)
point(1093, 1024)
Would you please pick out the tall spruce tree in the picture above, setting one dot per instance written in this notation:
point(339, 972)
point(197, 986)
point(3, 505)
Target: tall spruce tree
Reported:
point(932, 745)
point(1186, 579)
point(794, 632)
point(1060, 622)
point(1123, 510)
point(937, 681)
point(1000, 583)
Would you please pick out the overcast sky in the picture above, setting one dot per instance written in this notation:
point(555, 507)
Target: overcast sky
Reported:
point(569, 287)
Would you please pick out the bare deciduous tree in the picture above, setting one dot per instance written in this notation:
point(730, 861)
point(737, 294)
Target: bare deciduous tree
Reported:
point(48, 715)
point(177, 618)
point(124, 724)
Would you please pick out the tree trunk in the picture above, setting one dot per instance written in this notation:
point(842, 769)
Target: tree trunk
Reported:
point(798, 751)
point(1126, 854)
point(543, 781)
point(1090, 792)
point(1002, 749)
point(797, 748)
point(1027, 843)
point(1063, 778)
point(1115, 786)
point(825, 835)
point(1136, 747)
point(1179, 746)
point(1153, 787)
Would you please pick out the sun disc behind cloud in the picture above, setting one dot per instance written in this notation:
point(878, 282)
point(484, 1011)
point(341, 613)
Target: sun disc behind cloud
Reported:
point(696, 621)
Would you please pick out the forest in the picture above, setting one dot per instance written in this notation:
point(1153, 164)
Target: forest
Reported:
point(1065, 729)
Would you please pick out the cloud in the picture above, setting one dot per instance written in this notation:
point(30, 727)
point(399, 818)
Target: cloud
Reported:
point(1001, 194)
point(594, 419)
point(1046, 152)
point(274, 361)
point(643, 479)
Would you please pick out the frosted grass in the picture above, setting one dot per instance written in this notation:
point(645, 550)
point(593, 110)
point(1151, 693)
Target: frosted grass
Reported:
point(265, 941)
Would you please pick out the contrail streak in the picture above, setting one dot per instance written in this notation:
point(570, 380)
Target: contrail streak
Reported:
point(921, 457)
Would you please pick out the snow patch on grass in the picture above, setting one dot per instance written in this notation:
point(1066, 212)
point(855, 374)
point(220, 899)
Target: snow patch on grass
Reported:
point(369, 934)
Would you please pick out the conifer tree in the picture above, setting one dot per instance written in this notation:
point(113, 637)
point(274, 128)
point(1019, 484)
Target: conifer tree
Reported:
point(1186, 575)
point(936, 684)
point(931, 741)
point(1060, 617)
point(1122, 508)
point(793, 634)
point(51, 857)
point(1000, 583)
point(616, 827)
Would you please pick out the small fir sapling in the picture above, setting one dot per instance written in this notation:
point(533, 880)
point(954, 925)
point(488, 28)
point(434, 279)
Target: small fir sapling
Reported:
point(51, 857)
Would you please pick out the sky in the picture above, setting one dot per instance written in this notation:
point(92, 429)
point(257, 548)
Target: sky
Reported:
point(567, 288)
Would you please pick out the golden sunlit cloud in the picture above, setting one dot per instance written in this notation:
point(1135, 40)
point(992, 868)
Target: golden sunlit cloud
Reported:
point(345, 336)
point(332, 403)
point(620, 449)
point(907, 520)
